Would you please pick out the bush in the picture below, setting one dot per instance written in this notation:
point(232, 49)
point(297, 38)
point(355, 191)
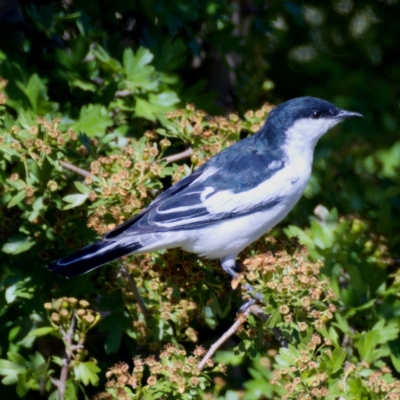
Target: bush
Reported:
point(96, 119)
point(312, 337)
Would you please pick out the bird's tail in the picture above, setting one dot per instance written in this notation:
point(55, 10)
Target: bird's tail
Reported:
point(91, 257)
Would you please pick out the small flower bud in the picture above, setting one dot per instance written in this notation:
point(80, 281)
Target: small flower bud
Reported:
point(55, 317)
point(84, 303)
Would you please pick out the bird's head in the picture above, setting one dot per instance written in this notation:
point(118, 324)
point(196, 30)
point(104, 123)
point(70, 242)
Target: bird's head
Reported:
point(306, 119)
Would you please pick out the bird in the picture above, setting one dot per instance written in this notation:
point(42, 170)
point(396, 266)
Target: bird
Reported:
point(230, 201)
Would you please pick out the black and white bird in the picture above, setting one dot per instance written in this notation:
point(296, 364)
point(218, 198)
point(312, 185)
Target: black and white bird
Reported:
point(231, 200)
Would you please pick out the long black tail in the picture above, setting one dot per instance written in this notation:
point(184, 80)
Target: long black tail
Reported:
point(91, 257)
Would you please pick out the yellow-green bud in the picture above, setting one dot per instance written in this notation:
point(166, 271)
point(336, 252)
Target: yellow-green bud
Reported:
point(145, 154)
point(194, 159)
point(65, 304)
point(52, 185)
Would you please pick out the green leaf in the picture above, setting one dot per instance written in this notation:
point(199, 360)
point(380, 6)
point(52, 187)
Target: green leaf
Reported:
point(87, 372)
point(342, 323)
point(74, 200)
point(27, 118)
point(16, 359)
point(71, 391)
point(367, 344)
point(93, 120)
point(228, 358)
point(396, 361)
point(287, 356)
point(45, 330)
point(10, 371)
point(81, 187)
point(10, 379)
point(274, 319)
point(86, 86)
point(22, 386)
point(16, 199)
point(108, 62)
point(295, 231)
point(57, 360)
point(337, 359)
point(138, 72)
point(18, 290)
point(37, 360)
point(156, 105)
point(9, 152)
point(19, 245)
point(387, 333)
point(115, 324)
point(32, 89)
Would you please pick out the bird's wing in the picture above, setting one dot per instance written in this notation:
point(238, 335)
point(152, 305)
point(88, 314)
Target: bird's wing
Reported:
point(203, 198)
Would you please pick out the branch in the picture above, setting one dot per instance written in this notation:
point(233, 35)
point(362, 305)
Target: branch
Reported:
point(67, 338)
point(135, 291)
point(230, 332)
point(179, 156)
point(123, 93)
point(257, 312)
point(75, 169)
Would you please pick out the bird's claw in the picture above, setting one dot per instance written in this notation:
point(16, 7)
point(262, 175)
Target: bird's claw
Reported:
point(244, 307)
point(255, 297)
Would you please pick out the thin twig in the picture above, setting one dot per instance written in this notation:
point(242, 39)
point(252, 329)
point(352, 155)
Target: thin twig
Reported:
point(179, 156)
point(123, 93)
point(135, 291)
point(75, 169)
point(67, 338)
point(231, 331)
point(257, 312)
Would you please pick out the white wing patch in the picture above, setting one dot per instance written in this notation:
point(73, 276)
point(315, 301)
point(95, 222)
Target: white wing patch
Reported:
point(206, 193)
point(200, 204)
point(278, 186)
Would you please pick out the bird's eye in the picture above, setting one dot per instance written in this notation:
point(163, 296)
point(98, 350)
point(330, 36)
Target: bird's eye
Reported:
point(316, 114)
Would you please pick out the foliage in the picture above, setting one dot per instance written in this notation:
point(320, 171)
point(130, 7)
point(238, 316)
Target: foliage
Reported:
point(175, 376)
point(100, 110)
point(70, 321)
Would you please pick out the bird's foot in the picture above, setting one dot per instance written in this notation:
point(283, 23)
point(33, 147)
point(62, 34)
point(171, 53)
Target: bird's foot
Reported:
point(231, 267)
point(255, 297)
point(244, 307)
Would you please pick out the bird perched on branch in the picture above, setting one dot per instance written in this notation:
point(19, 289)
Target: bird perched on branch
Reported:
point(231, 200)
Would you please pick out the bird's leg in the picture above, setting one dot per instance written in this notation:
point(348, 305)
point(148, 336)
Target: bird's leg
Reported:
point(229, 265)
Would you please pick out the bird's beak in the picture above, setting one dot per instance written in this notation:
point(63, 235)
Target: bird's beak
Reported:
point(343, 114)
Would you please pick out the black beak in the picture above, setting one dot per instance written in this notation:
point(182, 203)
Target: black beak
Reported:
point(343, 114)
